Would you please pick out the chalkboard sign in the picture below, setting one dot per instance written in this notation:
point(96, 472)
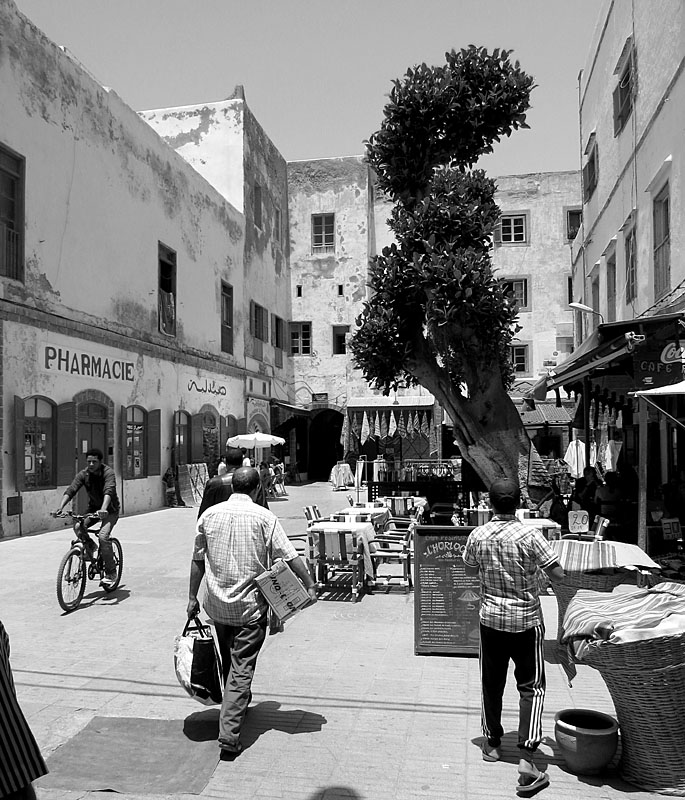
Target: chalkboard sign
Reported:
point(446, 599)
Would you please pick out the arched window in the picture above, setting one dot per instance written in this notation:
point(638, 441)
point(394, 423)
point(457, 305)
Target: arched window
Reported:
point(136, 455)
point(39, 444)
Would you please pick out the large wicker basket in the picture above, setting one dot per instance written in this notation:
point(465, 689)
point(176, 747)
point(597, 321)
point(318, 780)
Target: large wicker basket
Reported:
point(646, 680)
point(595, 581)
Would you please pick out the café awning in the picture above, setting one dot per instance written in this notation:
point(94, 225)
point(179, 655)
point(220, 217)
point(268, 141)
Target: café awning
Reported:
point(607, 352)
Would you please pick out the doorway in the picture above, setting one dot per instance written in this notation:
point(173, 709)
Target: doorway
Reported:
point(325, 449)
point(92, 432)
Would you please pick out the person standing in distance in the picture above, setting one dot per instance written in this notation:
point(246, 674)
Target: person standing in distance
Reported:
point(235, 541)
point(506, 555)
point(218, 489)
point(101, 485)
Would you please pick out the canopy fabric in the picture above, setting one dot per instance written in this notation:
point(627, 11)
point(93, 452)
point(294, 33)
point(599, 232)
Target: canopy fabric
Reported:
point(669, 389)
point(376, 401)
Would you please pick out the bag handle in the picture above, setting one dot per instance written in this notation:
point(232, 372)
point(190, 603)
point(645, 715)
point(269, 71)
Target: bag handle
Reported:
point(202, 629)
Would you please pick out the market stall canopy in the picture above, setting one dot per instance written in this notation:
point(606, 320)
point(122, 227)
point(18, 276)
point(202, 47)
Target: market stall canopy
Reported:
point(383, 401)
point(252, 440)
point(662, 391)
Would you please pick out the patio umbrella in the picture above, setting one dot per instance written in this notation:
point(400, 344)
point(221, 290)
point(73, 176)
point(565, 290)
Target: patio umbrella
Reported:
point(251, 440)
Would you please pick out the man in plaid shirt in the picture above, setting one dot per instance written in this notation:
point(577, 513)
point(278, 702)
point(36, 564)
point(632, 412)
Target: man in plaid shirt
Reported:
point(235, 541)
point(507, 555)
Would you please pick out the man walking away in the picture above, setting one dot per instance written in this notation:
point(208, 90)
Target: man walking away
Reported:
point(218, 488)
point(507, 555)
point(234, 543)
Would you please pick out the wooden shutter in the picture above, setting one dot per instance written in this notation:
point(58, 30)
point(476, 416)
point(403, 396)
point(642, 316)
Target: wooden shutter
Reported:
point(273, 330)
point(253, 327)
point(154, 442)
point(223, 435)
point(66, 444)
point(197, 450)
point(618, 121)
point(19, 475)
point(123, 445)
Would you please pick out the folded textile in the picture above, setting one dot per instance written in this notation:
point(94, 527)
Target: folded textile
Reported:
point(618, 616)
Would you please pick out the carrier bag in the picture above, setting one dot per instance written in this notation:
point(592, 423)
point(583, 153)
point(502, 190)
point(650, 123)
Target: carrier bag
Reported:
point(197, 663)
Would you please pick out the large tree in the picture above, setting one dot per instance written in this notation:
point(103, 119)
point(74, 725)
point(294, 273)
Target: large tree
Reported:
point(438, 316)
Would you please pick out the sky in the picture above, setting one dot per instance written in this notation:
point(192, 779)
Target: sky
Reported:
point(317, 74)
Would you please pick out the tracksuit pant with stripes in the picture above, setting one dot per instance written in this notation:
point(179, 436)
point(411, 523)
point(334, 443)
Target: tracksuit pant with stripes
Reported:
point(526, 650)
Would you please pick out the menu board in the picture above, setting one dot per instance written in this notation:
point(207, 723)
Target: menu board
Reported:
point(446, 599)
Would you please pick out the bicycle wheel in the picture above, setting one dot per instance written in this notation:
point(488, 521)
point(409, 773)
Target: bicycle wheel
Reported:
point(71, 579)
point(118, 555)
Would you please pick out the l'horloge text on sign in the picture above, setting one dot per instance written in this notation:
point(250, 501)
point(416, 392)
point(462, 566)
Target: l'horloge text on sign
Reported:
point(67, 361)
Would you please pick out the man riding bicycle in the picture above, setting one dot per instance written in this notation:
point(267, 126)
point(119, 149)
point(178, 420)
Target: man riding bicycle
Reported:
point(100, 483)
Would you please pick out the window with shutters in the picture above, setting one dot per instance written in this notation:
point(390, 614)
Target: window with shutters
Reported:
point(512, 229)
point(631, 265)
point(167, 290)
point(278, 339)
point(135, 461)
point(11, 215)
point(226, 318)
point(40, 444)
point(625, 89)
point(611, 287)
point(323, 233)
point(300, 338)
point(339, 339)
point(520, 358)
point(574, 219)
point(662, 242)
point(257, 205)
point(590, 171)
point(518, 288)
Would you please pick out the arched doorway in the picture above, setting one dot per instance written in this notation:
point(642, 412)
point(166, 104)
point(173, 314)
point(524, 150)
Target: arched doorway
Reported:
point(325, 449)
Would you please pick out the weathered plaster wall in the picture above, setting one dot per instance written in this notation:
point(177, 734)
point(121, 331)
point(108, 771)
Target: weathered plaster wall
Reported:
point(545, 260)
point(101, 190)
point(339, 186)
point(227, 145)
point(632, 164)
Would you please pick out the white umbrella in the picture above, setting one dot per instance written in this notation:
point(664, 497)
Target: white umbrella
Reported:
point(252, 440)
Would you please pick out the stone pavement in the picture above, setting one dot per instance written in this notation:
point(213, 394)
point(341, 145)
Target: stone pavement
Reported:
point(342, 707)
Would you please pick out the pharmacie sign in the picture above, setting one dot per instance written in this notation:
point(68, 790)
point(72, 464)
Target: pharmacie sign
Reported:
point(658, 361)
point(68, 361)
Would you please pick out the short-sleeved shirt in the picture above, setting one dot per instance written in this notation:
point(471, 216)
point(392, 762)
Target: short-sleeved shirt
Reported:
point(237, 539)
point(98, 484)
point(508, 555)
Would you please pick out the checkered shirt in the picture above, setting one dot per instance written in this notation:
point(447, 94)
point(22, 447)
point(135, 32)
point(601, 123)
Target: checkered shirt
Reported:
point(232, 538)
point(508, 555)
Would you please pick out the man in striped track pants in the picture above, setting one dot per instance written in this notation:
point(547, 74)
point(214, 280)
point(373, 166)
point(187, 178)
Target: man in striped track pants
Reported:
point(507, 555)
point(20, 759)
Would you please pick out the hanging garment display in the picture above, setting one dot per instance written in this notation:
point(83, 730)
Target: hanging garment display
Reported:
point(410, 426)
point(377, 425)
point(575, 457)
point(392, 426)
point(365, 428)
point(402, 426)
point(384, 425)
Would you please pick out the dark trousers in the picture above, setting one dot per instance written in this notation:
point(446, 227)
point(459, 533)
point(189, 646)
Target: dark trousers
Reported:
point(526, 650)
point(239, 648)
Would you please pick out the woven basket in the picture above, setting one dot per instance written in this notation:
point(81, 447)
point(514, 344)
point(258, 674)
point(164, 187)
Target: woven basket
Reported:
point(646, 681)
point(595, 581)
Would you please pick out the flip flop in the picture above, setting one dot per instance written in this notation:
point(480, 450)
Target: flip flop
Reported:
point(537, 783)
point(489, 752)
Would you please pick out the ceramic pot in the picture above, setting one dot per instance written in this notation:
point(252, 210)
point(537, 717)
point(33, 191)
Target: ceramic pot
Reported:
point(587, 739)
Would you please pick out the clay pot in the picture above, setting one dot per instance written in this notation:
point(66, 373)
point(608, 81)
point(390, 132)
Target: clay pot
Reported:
point(587, 739)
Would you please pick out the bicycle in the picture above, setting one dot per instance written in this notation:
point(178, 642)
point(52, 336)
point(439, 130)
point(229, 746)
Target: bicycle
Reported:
point(83, 560)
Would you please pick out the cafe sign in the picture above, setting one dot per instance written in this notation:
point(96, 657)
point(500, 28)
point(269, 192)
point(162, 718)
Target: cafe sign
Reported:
point(658, 362)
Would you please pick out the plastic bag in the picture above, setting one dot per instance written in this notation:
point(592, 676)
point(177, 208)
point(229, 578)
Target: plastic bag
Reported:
point(197, 663)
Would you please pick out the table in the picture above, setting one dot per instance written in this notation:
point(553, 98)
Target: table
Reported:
point(640, 654)
point(377, 516)
point(339, 549)
point(341, 476)
point(578, 559)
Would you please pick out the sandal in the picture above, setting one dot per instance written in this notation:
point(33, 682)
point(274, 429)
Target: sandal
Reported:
point(490, 752)
point(531, 780)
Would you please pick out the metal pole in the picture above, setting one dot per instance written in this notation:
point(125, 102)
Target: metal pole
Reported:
point(643, 417)
point(586, 418)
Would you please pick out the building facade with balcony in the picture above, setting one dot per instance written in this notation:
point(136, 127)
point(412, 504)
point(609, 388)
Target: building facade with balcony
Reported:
point(125, 293)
